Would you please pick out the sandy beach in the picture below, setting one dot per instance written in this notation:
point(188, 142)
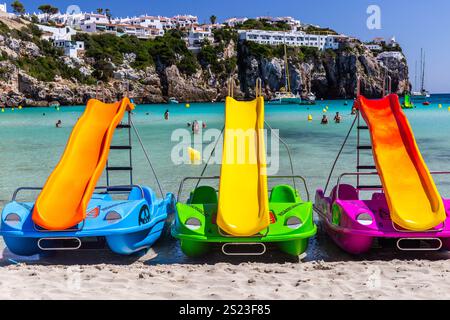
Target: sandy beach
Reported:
point(324, 273)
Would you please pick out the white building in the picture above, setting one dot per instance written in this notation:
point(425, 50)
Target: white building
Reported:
point(121, 29)
point(293, 38)
point(185, 21)
point(293, 23)
point(145, 21)
point(373, 46)
point(397, 55)
point(55, 33)
point(3, 8)
point(167, 23)
point(95, 17)
point(71, 48)
point(197, 37)
point(233, 22)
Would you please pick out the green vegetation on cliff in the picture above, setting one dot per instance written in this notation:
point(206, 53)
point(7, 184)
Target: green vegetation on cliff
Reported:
point(48, 64)
point(262, 24)
point(162, 52)
point(299, 54)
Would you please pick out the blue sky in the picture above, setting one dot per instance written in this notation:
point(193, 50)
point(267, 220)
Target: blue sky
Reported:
point(415, 23)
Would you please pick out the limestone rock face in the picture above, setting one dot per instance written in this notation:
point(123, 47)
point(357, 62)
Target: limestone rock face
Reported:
point(327, 74)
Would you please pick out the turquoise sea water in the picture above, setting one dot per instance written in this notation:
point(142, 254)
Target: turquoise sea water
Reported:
point(30, 145)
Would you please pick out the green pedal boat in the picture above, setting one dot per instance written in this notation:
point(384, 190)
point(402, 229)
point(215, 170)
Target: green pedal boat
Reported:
point(240, 217)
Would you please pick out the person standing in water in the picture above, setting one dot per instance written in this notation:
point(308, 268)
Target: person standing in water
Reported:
point(337, 118)
point(166, 115)
point(195, 127)
point(58, 124)
point(324, 119)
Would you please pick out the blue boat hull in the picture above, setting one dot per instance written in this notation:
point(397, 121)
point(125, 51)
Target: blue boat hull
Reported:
point(127, 226)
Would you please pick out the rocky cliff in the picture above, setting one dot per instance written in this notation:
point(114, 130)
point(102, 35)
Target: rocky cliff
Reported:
point(33, 74)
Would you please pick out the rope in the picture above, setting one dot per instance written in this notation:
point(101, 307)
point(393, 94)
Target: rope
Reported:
point(209, 158)
point(339, 154)
point(148, 157)
point(287, 149)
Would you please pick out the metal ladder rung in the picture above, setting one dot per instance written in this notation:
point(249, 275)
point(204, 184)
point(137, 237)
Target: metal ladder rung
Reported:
point(363, 128)
point(370, 187)
point(119, 168)
point(364, 147)
point(122, 126)
point(366, 167)
point(120, 147)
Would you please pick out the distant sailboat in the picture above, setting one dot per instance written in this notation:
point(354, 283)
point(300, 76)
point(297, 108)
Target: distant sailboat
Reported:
point(423, 93)
point(285, 96)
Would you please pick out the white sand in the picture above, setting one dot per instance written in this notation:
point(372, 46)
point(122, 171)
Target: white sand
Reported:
point(399, 279)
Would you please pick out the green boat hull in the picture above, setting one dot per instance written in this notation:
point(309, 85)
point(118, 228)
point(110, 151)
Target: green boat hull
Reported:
point(284, 204)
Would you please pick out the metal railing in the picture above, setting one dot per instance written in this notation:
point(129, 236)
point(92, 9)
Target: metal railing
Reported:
point(180, 189)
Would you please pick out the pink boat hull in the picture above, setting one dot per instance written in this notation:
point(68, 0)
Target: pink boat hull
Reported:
point(339, 217)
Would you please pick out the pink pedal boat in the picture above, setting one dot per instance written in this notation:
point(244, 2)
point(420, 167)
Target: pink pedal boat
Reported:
point(406, 208)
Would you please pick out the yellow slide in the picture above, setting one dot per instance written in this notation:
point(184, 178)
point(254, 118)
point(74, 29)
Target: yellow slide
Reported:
point(412, 196)
point(62, 204)
point(243, 195)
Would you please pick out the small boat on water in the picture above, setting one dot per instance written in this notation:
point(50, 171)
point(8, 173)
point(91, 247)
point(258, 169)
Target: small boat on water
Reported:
point(284, 97)
point(172, 100)
point(421, 94)
point(426, 103)
point(310, 98)
point(407, 103)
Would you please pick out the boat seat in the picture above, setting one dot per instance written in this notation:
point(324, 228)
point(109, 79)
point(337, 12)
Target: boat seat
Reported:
point(204, 195)
point(346, 192)
point(283, 194)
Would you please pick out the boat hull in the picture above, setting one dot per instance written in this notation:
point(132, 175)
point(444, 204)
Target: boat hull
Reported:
point(139, 222)
point(196, 243)
point(286, 101)
point(340, 220)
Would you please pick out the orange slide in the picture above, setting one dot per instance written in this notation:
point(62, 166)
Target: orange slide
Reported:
point(412, 196)
point(63, 201)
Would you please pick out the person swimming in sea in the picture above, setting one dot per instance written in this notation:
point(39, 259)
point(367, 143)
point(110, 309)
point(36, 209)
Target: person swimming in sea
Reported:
point(58, 124)
point(203, 125)
point(195, 127)
point(353, 110)
point(324, 119)
point(166, 115)
point(337, 118)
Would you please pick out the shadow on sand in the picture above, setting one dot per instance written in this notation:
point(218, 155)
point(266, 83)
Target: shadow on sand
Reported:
point(167, 251)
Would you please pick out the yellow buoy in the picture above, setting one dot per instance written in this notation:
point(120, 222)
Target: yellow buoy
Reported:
point(310, 118)
point(194, 156)
point(20, 107)
point(12, 109)
point(440, 106)
point(188, 105)
point(3, 109)
point(326, 107)
point(324, 110)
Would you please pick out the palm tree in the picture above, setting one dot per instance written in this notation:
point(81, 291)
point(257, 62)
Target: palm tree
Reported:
point(213, 19)
point(108, 14)
point(100, 11)
point(18, 7)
